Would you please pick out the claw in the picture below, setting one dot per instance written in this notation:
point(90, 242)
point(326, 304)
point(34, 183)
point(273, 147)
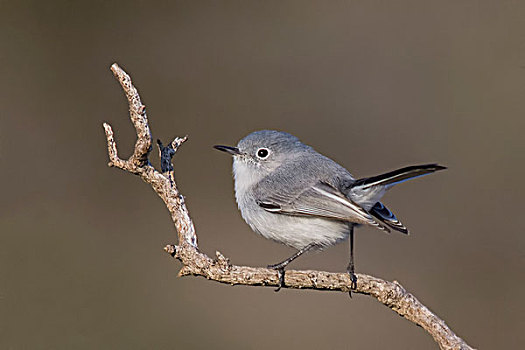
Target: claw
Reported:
point(353, 285)
point(353, 278)
point(281, 279)
point(280, 271)
point(280, 266)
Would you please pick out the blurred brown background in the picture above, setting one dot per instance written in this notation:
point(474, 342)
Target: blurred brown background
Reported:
point(374, 85)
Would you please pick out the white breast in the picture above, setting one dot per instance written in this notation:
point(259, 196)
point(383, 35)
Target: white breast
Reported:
point(246, 176)
point(293, 231)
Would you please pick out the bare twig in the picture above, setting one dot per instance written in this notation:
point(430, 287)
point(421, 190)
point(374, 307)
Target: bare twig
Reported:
point(219, 269)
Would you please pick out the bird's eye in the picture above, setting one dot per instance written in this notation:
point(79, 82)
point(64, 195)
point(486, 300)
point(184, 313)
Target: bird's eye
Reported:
point(263, 153)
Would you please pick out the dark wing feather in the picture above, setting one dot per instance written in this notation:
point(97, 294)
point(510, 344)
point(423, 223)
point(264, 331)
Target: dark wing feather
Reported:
point(381, 212)
point(320, 200)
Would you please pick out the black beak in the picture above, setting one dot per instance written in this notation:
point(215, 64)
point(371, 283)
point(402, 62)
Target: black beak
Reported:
point(231, 150)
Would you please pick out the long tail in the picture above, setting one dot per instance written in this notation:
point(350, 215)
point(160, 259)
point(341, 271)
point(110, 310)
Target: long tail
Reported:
point(368, 191)
point(393, 177)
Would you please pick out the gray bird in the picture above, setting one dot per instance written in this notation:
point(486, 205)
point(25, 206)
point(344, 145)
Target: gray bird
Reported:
point(289, 193)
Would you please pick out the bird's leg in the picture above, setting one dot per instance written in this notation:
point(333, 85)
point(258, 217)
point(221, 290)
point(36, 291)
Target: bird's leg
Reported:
point(282, 265)
point(351, 267)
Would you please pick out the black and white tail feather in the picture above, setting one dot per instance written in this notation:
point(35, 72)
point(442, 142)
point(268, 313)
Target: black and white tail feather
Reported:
point(379, 211)
point(383, 214)
point(397, 176)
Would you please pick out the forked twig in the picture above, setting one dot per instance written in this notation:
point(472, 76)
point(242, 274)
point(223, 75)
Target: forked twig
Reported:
point(219, 269)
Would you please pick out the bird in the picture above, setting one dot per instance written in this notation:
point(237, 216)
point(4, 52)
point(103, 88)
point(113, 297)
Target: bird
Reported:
point(291, 194)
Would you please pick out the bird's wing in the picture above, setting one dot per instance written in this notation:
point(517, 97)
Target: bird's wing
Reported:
point(319, 200)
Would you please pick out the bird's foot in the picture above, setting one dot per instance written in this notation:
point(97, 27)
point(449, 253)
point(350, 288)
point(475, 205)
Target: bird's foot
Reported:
point(353, 284)
point(280, 270)
point(353, 278)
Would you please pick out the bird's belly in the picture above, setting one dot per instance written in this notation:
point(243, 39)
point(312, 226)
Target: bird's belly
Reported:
point(296, 231)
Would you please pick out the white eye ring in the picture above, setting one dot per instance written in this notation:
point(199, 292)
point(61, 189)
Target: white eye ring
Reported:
point(262, 153)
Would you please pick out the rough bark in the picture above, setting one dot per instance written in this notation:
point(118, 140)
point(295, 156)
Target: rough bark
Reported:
point(219, 269)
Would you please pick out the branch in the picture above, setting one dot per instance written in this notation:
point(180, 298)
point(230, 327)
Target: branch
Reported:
point(219, 269)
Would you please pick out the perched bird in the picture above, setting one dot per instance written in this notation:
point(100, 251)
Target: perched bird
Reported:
point(291, 194)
